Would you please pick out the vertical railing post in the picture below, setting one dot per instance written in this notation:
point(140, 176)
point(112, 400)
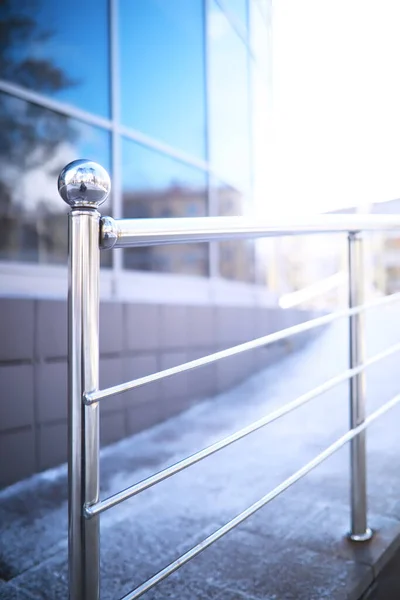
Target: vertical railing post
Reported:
point(83, 185)
point(359, 530)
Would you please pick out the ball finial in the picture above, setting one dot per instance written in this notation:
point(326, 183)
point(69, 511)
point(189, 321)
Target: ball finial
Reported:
point(83, 183)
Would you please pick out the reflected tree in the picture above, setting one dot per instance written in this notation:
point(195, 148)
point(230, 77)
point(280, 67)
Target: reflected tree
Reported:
point(30, 135)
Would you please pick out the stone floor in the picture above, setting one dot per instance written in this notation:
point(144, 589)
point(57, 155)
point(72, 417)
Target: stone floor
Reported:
point(295, 548)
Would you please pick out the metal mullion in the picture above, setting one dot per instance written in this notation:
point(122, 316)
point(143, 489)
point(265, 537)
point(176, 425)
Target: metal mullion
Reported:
point(109, 124)
point(55, 105)
point(212, 196)
point(160, 146)
point(234, 21)
point(251, 162)
point(116, 157)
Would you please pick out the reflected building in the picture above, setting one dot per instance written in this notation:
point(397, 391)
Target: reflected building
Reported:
point(384, 251)
point(174, 201)
point(172, 97)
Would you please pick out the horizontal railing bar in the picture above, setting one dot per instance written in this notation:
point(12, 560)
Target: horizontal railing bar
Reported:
point(124, 233)
point(312, 464)
point(265, 340)
point(149, 482)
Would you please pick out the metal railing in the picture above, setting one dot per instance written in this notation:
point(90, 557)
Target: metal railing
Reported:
point(85, 186)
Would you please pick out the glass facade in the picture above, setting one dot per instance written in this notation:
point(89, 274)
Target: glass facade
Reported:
point(229, 110)
point(162, 66)
point(165, 95)
point(35, 145)
point(157, 186)
point(62, 52)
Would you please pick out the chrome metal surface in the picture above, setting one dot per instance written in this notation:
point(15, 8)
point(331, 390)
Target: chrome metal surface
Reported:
point(83, 421)
point(108, 233)
point(262, 341)
point(84, 186)
point(363, 537)
point(358, 468)
point(151, 232)
point(158, 577)
point(83, 183)
point(149, 482)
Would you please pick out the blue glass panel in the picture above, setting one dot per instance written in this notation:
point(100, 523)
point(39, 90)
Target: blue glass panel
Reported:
point(236, 257)
point(36, 144)
point(163, 72)
point(229, 101)
point(60, 49)
point(157, 186)
point(238, 8)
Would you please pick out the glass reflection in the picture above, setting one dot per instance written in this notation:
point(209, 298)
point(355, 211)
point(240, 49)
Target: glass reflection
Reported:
point(229, 102)
point(236, 257)
point(36, 145)
point(239, 9)
point(57, 50)
point(162, 63)
point(157, 186)
point(261, 37)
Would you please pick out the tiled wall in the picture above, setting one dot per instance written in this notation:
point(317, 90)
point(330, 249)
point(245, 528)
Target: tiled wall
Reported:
point(135, 340)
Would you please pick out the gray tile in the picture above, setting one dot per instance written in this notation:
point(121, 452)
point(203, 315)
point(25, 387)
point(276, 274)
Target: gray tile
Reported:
point(175, 386)
point(247, 364)
point(173, 406)
point(16, 406)
point(52, 445)
point(144, 415)
point(173, 327)
point(111, 327)
point(269, 320)
point(201, 330)
point(52, 338)
point(112, 427)
point(202, 381)
point(16, 328)
point(234, 324)
point(17, 450)
point(267, 355)
point(229, 372)
point(111, 373)
point(141, 324)
point(52, 391)
point(137, 366)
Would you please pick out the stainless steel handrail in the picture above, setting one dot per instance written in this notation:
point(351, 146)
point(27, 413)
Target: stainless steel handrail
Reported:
point(84, 186)
point(263, 341)
point(147, 483)
point(124, 233)
point(339, 443)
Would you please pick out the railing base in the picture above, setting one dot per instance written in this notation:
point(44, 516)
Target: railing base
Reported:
point(361, 537)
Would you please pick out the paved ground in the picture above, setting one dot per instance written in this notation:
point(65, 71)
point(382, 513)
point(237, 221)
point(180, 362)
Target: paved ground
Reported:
point(293, 549)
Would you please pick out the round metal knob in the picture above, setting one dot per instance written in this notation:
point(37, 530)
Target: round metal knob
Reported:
point(83, 183)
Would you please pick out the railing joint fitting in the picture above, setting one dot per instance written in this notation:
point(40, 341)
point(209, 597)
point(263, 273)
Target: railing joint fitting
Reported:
point(86, 400)
point(87, 511)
